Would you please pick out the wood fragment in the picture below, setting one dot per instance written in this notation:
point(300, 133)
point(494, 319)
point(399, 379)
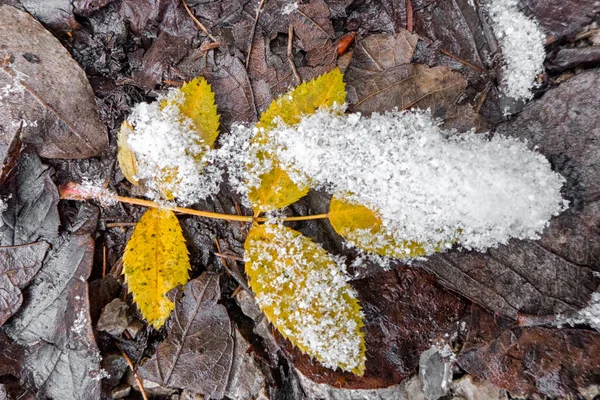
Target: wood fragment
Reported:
point(253, 31)
point(290, 54)
point(409, 16)
point(198, 23)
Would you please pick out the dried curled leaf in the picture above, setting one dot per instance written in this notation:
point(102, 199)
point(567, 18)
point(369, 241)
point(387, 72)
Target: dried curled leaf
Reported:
point(304, 294)
point(125, 156)
point(155, 261)
point(276, 189)
point(363, 228)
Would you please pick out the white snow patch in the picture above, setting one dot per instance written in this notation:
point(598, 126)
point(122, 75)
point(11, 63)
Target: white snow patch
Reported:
point(522, 43)
point(427, 185)
point(94, 189)
point(80, 323)
point(14, 87)
point(171, 155)
point(589, 315)
point(289, 8)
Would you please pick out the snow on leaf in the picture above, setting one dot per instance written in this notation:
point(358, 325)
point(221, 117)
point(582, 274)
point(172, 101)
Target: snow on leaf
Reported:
point(155, 261)
point(275, 189)
point(364, 229)
point(125, 156)
point(172, 141)
point(304, 293)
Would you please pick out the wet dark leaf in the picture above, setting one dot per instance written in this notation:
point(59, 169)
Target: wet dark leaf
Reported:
point(18, 266)
point(561, 17)
point(405, 311)
point(567, 58)
point(115, 318)
point(315, 34)
point(31, 200)
point(55, 14)
point(62, 359)
point(555, 274)
point(198, 352)
point(552, 362)
point(11, 356)
point(51, 94)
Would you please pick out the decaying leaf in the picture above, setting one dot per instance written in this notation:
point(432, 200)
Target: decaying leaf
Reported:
point(62, 359)
point(155, 261)
point(277, 190)
point(197, 355)
point(125, 156)
point(364, 229)
point(304, 294)
point(31, 202)
point(18, 265)
point(45, 89)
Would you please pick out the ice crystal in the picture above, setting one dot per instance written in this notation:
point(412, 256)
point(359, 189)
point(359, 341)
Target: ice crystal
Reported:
point(171, 155)
point(427, 185)
point(522, 44)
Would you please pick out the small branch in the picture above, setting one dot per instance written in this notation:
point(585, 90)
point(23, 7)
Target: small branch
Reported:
point(462, 61)
point(198, 23)
point(120, 224)
point(73, 191)
point(290, 54)
point(253, 32)
point(137, 377)
point(103, 261)
point(228, 256)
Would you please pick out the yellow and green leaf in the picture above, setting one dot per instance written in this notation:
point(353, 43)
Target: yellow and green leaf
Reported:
point(303, 293)
point(364, 228)
point(277, 190)
point(155, 261)
point(125, 155)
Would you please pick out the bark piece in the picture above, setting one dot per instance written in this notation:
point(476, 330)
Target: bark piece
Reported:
point(198, 352)
point(46, 90)
point(552, 362)
point(18, 266)
point(554, 274)
point(62, 360)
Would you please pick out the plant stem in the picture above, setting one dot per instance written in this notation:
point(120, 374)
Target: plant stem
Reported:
point(73, 192)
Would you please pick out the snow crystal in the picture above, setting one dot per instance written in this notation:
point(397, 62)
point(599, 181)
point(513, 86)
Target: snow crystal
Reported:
point(589, 315)
point(92, 189)
point(321, 318)
point(15, 87)
point(427, 185)
point(171, 154)
point(289, 8)
point(522, 44)
point(79, 324)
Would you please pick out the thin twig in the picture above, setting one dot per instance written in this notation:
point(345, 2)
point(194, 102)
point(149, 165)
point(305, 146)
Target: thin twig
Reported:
point(290, 54)
point(228, 256)
point(198, 23)
point(482, 99)
point(103, 261)
point(314, 23)
point(409, 16)
point(72, 191)
point(120, 224)
point(253, 32)
point(237, 290)
point(462, 61)
point(137, 377)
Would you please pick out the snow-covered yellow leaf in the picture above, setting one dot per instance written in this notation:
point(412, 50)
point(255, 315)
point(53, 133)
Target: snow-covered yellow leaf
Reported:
point(276, 189)
point(363, 228)
point(126, 158)
point(155, 261)
point(304, 294)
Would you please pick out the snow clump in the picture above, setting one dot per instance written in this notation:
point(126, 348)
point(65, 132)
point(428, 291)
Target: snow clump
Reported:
point(522, 43)
point(171, 155)
point(427, 185)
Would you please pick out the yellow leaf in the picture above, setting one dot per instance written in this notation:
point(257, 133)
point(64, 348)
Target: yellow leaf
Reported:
point(277, 190)
point(364, 229)
point(199, 106)
point(126, 158)
point(155, 261)
point(304, 294)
